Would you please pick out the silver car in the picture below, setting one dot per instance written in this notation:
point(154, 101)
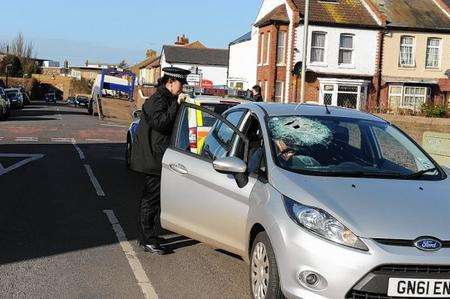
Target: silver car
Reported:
point(322, 202)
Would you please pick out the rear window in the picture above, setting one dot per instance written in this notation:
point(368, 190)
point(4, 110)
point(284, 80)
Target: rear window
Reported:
point(208, 120)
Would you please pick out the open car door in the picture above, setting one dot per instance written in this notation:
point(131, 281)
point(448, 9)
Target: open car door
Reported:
point(197, 200)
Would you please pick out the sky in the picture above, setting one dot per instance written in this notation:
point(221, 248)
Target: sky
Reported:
point(112, 30)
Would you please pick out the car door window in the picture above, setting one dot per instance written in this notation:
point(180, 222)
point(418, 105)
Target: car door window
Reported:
point(219, 142)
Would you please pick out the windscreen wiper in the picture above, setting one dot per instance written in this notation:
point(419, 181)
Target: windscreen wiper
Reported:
point(420, 173)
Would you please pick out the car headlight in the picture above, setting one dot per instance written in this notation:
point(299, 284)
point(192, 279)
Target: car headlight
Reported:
point(322, 224)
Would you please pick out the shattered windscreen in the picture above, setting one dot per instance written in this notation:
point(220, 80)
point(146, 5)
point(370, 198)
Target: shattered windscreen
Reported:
point(345, 146)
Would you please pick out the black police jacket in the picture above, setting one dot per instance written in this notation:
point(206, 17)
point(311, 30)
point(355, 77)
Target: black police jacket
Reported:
point(154, 132)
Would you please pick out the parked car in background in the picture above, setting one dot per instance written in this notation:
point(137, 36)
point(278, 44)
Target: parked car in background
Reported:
point(82, 102)
point(26, 98)
point(7, 102)
point(50, 97)
point(15, 97)
point(71, 100)
point(321, 202)
point(198, 123)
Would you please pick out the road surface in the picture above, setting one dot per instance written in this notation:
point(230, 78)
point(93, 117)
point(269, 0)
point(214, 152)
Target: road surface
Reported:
point(68, 218)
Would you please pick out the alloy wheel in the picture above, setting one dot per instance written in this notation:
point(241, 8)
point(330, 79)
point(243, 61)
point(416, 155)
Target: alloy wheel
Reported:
point(260, 271)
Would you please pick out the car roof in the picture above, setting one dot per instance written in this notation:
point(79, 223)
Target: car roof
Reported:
point(201, 99)
point(281, 109)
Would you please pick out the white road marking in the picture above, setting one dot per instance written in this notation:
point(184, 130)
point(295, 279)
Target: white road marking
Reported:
point(1, 138)
point(29, 158)
point(78, 149)
point(114, 125)
point(26, 139)
point(62, 139)
point(97, 140)
point(130, 254)
point(94, 181)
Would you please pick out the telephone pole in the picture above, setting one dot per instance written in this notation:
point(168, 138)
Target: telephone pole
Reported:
point(305, 51)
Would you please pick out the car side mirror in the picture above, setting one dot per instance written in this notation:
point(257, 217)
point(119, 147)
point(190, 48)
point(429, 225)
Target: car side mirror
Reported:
point(234, 166)
point(230, 165)
point(137, 114)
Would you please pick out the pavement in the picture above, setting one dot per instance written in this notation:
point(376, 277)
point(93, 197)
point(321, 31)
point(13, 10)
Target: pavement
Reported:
point(68, 219)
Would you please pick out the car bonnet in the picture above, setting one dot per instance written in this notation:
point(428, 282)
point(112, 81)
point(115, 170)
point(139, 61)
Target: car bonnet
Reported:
point(372, 207)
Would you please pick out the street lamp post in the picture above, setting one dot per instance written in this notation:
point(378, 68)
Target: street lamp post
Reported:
point(305, 51)
point(6, 70)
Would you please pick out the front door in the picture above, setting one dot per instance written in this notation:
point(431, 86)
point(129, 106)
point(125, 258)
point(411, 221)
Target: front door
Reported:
point(196, 200)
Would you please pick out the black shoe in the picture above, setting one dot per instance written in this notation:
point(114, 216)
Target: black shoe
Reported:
point(154, 249)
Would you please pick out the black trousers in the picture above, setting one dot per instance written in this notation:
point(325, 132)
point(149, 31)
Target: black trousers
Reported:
point(150, 210)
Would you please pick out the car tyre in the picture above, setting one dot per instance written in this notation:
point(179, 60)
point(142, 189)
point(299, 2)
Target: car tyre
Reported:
point(128, 147)
point(264, 278)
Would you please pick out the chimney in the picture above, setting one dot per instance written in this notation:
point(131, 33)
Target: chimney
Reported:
point(182, 40)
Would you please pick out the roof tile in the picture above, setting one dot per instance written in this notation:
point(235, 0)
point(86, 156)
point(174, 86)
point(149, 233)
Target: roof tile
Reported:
point(206, 56)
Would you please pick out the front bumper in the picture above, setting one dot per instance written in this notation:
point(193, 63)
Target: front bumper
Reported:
point(349, 273)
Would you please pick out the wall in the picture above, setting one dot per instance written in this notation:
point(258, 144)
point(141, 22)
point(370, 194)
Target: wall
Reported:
point(217, 74)
point(416, 126)
point(242, 63)
point(391, 54)
point(364, 51)
point(271, 72)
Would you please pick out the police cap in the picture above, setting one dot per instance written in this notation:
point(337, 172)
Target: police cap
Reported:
point(177, 73)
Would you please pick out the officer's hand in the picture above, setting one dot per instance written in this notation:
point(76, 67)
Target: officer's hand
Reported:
point(182, 98)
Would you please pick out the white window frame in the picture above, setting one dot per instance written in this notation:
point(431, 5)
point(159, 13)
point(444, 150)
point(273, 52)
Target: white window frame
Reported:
point(403, 94)
point(280, 97)
point(362, 86)
point(413, 52)
point(424, 96)
point(439, 48)
point(352, 49)
point(281, 49)
point(324, 62)
point(266, 90)
point(267, 56)
point(261, 49)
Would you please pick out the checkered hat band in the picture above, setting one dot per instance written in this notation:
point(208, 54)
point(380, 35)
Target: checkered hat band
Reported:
point(175, 75)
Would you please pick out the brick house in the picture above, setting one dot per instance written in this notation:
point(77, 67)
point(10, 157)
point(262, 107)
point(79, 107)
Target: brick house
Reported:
point(416, 53)
point(342, 61)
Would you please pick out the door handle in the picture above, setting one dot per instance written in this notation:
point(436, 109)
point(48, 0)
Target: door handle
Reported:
point(178, 168)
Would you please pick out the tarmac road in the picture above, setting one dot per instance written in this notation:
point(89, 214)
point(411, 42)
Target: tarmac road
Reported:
point(66, 201)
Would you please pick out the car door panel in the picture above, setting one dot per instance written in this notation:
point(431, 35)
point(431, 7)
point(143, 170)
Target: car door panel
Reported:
point(201, 203)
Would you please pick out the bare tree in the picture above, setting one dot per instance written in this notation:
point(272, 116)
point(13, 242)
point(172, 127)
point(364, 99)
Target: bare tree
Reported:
point(21, 48)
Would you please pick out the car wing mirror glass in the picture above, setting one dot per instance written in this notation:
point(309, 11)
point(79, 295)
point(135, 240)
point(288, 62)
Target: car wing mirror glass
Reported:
point(137, 114)
point(230, 165)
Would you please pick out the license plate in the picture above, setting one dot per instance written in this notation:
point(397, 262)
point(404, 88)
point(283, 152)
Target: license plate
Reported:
point(424, 288)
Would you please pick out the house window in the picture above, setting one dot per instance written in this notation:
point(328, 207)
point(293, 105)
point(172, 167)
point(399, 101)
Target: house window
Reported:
point(281, 48)
point(279, 91)
point(414, 97)
point(266, 57)
point(395, 95)
point(347, 96)
point(409, 97)
point(261, 48)
point(346, 49)
point(407, 51)
point(318, 46)
point(433, 52)
point(266, 90)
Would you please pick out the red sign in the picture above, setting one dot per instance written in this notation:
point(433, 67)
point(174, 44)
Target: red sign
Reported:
point(207, 84)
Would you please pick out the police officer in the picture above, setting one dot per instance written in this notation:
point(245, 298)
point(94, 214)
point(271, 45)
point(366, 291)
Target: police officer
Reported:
point(152, 139)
